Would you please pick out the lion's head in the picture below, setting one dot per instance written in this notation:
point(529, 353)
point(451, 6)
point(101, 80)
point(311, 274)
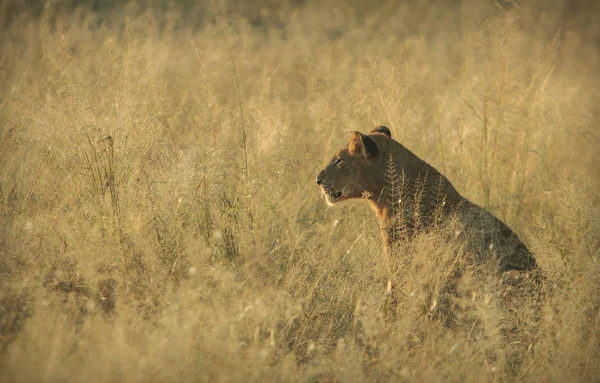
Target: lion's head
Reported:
point(356, 169)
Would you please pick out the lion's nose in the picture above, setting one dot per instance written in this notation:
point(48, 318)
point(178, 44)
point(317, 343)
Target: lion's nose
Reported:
point(320, 178)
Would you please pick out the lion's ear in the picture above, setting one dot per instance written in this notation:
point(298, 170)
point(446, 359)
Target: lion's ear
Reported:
point(382, 129)
point(362, 144)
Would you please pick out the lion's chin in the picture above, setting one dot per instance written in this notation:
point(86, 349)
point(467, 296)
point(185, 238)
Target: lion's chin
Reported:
point(332, 199)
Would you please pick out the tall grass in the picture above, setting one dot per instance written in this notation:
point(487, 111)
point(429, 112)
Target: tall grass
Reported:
point(160, 220)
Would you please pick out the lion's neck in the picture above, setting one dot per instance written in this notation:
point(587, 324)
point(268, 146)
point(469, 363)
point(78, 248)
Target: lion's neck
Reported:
point(387, 212)
point(383, 207)
point(403, 213)
point(410, 197)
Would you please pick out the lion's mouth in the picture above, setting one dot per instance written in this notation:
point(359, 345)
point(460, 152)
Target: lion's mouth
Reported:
point(331, 196)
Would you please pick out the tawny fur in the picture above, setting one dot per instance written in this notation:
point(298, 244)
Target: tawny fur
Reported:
point(361, 169)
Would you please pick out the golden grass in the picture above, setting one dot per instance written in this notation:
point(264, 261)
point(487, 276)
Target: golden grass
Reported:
point(149, 234)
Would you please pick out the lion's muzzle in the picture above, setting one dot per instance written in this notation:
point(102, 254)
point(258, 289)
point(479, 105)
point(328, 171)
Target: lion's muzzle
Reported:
point(320, 177)
point(332, 195)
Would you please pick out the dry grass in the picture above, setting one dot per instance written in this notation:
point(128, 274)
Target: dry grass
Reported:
point(150, 234)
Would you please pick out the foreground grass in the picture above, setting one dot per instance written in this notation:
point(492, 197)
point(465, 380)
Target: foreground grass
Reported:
point(160, 220)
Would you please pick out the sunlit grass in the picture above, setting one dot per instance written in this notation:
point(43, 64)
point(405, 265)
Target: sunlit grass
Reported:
point(150, 234)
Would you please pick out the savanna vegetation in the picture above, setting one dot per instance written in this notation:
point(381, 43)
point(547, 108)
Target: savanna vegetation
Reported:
point(160, 220)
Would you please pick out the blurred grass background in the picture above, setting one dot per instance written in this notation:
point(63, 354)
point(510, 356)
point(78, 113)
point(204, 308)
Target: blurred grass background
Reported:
point(160, 220)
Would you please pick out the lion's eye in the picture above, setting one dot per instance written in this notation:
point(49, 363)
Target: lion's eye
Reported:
point(337, 161)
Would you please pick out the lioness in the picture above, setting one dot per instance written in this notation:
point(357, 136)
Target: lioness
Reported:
point(408, 195)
